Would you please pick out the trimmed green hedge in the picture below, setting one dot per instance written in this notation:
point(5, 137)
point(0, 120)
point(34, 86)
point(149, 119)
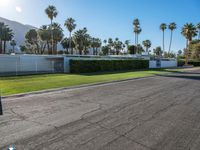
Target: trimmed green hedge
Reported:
point(194, 63)
point(88, 66)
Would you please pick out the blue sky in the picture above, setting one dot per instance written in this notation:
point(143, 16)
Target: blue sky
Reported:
point(110, 18)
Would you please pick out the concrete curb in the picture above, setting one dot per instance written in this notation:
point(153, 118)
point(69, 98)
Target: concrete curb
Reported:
point(72, 87)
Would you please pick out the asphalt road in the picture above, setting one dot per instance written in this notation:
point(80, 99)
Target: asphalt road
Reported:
point(156, 113)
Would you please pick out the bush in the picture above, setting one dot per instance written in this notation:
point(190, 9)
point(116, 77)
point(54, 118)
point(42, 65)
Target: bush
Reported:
point(191, 62)
point(88, 66)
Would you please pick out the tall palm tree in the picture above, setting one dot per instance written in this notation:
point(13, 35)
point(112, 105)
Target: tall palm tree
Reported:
point(52, 13)
point(198, 27)
point(172, 27)
point(147, 45)
point(163, 27)
point(136, 24)
point(13, 44)
point(70, 25)
point(139, 30)
point(188, 31)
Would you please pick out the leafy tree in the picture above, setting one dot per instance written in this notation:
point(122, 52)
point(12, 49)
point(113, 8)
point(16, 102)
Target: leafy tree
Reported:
point(195, 49)
point(198, 27)
point(139, 49)
point(105, 50)
point(132, 49)
point(52, 13)
point(172, 27)
point(118, 45)
point(13, 44)
point(158, 51)
point(32, 41)
point(70, 25)
point(163, 27)
point(147, 45)
point(188, 31)
point(23, 48)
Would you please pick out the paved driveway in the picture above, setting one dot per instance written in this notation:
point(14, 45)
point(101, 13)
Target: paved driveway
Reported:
point(161, 113)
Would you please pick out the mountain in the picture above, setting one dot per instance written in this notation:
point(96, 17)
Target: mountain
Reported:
point(19, 29)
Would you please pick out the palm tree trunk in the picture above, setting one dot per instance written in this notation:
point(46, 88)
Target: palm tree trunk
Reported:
point(93, 51)
point(135, 39)
point(70, 43)
point(52, 36)
point(4, 47)
point(187, 53)
point(163, 41)
point(0, 46)
point(170, 44)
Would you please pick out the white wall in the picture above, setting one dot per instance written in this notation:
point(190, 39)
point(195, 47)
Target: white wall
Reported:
point(164, 64)
point(168, 64)
point(152, 64)
point(27, 63)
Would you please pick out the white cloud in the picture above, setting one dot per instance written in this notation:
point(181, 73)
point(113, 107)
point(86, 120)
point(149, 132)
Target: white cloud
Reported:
point(18, 9)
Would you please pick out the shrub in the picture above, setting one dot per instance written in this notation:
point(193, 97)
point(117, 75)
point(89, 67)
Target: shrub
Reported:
point(88, 66)
point(191, 62)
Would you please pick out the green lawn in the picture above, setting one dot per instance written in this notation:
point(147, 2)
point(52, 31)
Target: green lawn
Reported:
point(23, 84)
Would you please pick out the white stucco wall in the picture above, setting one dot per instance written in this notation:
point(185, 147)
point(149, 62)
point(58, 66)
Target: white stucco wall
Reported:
point(164, 64)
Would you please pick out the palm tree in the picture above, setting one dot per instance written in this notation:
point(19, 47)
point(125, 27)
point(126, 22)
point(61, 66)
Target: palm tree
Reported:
point(70, 25)
point(13, 44)
point(147, 45)
point(57, 35)
point(45, 35)
point(136, 24)
point(139, 30)
point(81, 40)
point(127, 42)
point(198, 27)
point(52, 13)
point(105, 42)
point(7, 35)
point(163, 27)
point(188, 31)
point(110, 45)
point(172, 27)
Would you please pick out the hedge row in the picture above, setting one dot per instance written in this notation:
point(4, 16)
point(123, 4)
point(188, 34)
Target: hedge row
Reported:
point(194, 63)
point(88, 66)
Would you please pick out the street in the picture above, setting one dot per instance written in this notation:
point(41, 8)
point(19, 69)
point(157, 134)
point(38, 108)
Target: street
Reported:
point(155, 113)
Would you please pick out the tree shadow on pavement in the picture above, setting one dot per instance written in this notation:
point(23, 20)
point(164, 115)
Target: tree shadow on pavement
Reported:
point(191, 77)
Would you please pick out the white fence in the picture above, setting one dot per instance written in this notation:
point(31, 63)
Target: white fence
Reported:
point(22, 64)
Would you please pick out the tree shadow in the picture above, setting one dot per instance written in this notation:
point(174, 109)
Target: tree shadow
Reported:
point(190, 77)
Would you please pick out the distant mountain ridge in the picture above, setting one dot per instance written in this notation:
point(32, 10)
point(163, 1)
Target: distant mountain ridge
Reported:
point(19, 29)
